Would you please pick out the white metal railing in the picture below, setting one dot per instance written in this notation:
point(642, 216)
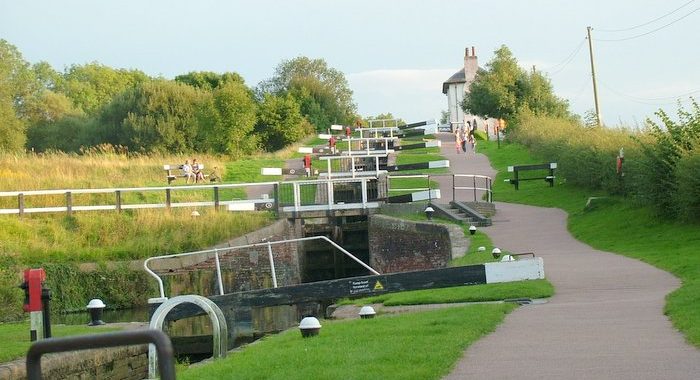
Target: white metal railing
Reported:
point(486, 188)
point(69, 206)
point(321, 194)
point(217, 262)
point(353, 166)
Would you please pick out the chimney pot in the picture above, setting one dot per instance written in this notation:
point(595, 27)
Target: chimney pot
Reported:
point(473, 52)
point(466, 52)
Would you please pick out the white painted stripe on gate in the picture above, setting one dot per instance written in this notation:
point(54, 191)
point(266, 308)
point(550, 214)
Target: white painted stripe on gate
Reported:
point(439, 164)
point(271, 171)
point(305, 149)
point(523, 269)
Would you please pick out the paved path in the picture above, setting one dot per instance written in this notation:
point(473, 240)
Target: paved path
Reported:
point(605, 322)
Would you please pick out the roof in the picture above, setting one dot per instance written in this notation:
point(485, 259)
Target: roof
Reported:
point(457, 77)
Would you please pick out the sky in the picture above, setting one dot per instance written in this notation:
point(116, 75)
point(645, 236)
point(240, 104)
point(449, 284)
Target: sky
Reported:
point(394, 54)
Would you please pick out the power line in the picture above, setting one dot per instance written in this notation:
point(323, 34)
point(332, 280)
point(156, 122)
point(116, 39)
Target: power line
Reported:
point(646, 23)
point(651, 31)
point(566, 60)
point(650, 101)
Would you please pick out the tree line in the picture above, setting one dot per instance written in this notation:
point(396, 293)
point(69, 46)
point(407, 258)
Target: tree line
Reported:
point(88, 105)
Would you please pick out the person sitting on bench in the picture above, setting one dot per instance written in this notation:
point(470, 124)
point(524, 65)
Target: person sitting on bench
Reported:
point(197, 171)
point(187, 171)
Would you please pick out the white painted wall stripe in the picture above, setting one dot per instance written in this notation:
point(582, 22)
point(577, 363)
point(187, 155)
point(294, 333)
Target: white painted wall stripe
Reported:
point(305, 149)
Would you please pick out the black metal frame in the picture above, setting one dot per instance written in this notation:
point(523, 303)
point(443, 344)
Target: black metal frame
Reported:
point(166, 361)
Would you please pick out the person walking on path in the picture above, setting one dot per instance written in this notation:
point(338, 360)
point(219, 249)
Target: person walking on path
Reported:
point(458, 141)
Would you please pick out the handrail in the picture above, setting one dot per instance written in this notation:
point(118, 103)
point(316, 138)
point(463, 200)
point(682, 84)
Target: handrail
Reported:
point(163, 347)
point(123, 189)
point(488, 187)
point(218, 267)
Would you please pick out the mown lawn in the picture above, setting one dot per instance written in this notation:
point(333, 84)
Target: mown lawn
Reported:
point(15, 337)
point(410, 346)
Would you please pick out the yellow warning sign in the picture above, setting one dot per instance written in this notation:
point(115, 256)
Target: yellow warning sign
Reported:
point(378, 286)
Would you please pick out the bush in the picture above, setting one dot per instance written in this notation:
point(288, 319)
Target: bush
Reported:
point(688, 194)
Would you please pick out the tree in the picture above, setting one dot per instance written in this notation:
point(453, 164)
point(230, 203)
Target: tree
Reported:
point(227, 121)
point(503, 89)
point(156, 116)
point(280, 122)
point(384, 116)
point(15, 87)
point(93, 85)
point(208, 79)
point(321, 91)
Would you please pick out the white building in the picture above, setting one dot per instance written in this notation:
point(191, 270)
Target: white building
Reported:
point(456, 86)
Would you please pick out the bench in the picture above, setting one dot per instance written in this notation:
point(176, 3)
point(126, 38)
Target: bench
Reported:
point(516, 169)
point(171, 176)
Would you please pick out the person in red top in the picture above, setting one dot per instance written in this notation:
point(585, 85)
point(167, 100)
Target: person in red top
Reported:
point(331, 144)
point(348, 132)
point(307, 165)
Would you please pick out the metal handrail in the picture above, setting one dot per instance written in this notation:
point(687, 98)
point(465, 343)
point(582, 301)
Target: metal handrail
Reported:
point(164, 348)
point(487, 189)
point(268, 244)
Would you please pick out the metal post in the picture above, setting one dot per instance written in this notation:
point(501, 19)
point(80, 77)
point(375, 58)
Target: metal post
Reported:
point(329, 186)
point(118, 196)
point(272, 265)
point(364, 193)
point(352, 166)
point(474, 182)
point(297, 196)
point(430, 196)
point(453, 188)
point(20, 203)
point(376, 165)
point(329, 168)
point(218, 272)
point(276, 196)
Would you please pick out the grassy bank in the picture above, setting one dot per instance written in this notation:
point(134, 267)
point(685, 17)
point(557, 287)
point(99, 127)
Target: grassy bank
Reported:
point(616, 225)
point(410, 346)
point(15, 337)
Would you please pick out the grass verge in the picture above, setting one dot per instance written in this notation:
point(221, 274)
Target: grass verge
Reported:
point(15, 337)
point(410, 346)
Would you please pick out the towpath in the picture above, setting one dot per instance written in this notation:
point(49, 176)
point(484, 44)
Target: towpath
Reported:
point(605, 321)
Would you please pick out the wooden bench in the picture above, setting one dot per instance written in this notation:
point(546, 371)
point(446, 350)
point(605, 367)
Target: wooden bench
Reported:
point(175, 171)
point(516, 169)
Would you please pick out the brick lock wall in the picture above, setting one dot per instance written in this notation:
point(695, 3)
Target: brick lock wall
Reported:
point(398, 245)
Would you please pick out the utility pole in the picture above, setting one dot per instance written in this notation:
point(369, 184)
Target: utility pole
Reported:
point(595, 87)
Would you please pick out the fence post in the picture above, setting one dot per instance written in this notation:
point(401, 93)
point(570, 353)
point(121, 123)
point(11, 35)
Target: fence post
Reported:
point(118, 195)
point(276, 196)
point(453, 189)
point(216, 198)
point(474, 183)
point(69, 203)
point(167, 198)
point(20, 203)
